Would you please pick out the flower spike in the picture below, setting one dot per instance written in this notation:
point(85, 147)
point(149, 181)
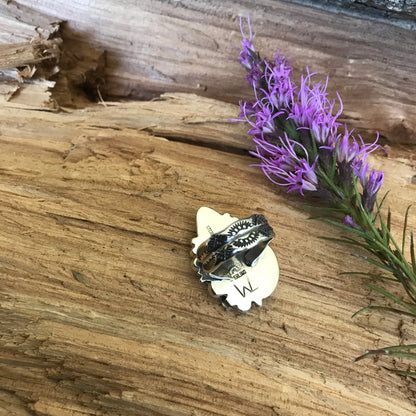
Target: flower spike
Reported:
point(293, 124)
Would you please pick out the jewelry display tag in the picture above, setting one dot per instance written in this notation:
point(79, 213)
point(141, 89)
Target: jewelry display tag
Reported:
point(234, 257)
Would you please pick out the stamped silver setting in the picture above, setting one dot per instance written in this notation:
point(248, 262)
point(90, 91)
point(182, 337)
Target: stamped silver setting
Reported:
point(234, 257)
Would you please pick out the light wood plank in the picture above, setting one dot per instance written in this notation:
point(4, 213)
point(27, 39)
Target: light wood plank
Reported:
point(101, 312)
point(158, 46)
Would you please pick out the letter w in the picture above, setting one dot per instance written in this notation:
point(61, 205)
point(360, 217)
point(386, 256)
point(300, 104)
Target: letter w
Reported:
point(249, 289)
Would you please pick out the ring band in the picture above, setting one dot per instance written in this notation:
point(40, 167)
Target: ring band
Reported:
point(238, 245)
point(234, 230)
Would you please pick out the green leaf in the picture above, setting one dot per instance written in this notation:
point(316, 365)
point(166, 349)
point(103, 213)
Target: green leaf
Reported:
point(375, 262)
point(341, 240)
point(346, 227)
point(392, 298)
point(331, 209)
point(382, 308)
point(411, 355)
point(383, 199)
point(314, 148)
point(362, 357)
point(405, 373)
point(395, 351)
point(291, 129)
point(331, 184)
point(385, 227)
point(349, 241)
point(404, 228)
point(323, 217)
point(400, 347)
point(381, 243)
point(373, 275)
point(388, 227)
point(334, 162)
point(400, 266)
point(379, 205)
point(357, 194)
point(412, 253)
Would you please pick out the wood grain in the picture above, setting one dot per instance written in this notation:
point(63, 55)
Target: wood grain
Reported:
point(38, 70)
point(156, 46)
point(400, 13)
point(25, 69)
point(100, 310)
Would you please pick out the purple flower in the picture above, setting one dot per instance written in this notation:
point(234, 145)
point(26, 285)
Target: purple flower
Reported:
point(346, 151)
point(361, 169)
point(264, 122)
point(249, 59)
point(324, 129)
point(359, 164)
point(312, 110)
point(297, 142)
point(280, 87)
point(349, 221)
point(374, 182)
point(292, 125)
point(283, 166)
point(248, 109)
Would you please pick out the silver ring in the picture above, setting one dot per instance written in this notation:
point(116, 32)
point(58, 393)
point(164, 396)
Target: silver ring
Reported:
point(240, 244)
point(234, 257)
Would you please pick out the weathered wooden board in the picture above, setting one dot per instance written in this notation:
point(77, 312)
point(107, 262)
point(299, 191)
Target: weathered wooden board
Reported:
point(157, 46)
point(398, 12)
point(101, 312)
